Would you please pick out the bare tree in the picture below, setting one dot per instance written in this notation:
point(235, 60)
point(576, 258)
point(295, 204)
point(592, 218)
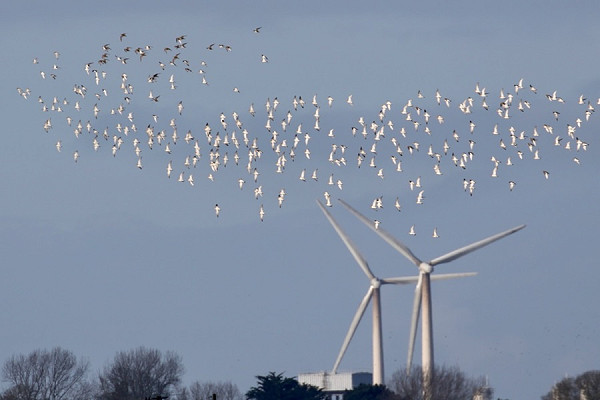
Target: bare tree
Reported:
point(584, 386)
point(205, 390)
point(46, 375)
point(140, 373)
point(450, 383)
point(589, 384)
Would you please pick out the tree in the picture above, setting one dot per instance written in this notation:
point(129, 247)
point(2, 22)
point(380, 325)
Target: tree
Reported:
point(450, 383)
point(370, 392)
point(276, 387)
point(46, 375)
point(584, 386)
point(140, 373)
point(204, 391)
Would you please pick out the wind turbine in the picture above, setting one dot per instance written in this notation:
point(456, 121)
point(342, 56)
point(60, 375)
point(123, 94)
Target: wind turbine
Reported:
point(372, 294)
point(423, 291)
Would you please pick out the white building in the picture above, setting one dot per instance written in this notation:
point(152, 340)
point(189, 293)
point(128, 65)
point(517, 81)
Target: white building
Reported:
point(335, 384)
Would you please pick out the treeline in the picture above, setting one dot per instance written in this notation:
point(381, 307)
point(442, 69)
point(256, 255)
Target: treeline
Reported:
point(144, 373)
point(132, 375)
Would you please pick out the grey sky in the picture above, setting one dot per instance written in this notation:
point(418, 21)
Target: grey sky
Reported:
point(101, 257)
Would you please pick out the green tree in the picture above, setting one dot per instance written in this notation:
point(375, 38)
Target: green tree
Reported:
point(277, 387)
point(370, 392)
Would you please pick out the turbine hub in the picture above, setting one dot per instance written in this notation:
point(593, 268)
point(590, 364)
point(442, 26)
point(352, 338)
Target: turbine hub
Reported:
point(375, 283)
point(425, 268)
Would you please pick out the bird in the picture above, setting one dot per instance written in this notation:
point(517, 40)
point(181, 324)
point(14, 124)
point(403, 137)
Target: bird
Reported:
point(420, 197)
point(261, 213)
point(257, 29)
point(412, 231)
point(327, 199)
point(397, 204)
point(435, 233)
point(264, 58)
point(217, 210)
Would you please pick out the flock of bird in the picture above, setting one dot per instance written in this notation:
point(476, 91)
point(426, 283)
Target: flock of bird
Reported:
point(114, 109)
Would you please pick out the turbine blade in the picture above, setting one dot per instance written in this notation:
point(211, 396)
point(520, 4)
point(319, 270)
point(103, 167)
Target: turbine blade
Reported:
point(440, 277)
point(453, 255)
point(355, 321)
point(400, 280)
point(395, 243)
point(414, 322)
point(349, 244)
point(403, 280)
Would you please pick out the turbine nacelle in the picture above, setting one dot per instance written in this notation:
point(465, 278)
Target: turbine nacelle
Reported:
point(375, 283)
point(425, 268)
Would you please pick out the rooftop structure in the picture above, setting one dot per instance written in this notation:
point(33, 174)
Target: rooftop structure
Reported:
point(335, 384)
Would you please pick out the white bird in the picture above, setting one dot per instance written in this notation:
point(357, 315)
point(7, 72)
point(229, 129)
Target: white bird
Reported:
point(263, 59)
point(420, 197)
point(314, 175)
point(349, 100)
point(217, 210)
point(281, 197)
point(397, 204)
point(412, 231)
point(435, 233)
point(327, 199)
point(258, 192)
point(261, 213)
point(58, 146)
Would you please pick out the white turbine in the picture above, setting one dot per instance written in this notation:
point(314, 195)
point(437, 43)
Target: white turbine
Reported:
point(423, 291)
point(372, 293)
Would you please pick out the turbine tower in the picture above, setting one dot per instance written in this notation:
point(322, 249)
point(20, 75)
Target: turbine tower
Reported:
point(423, 292)
point(373, 293)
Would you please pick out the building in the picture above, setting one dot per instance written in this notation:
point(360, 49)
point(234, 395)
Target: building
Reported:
point(335, 384)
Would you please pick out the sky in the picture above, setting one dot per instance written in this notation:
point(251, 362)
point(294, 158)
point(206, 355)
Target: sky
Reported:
point(100, 256)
